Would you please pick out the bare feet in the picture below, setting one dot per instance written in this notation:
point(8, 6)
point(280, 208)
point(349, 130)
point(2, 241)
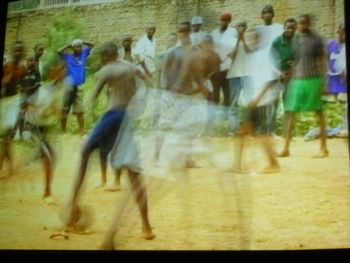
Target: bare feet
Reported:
point(148, 234)
point(62, 234)
point(75, 230)
point(271, 169)
point(114, 188)
point(191, 164)
point(321, 154)
point(48, 200)
point(284, 153)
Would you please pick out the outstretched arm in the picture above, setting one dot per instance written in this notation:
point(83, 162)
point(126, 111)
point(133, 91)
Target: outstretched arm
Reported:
point(145, 77)
point(62, 49)
point(101, 81)
point(90, 45)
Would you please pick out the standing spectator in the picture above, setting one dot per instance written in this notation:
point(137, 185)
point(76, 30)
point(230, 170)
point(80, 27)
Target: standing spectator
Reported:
point(282, 49)
point(336, 82)
point(225, 39)
point(259, 92)
point(13, 72)
point(336, 75)
point(128, 53)
point(196, 30)
point(269, 31)
point(283, 52)
point(75, 63)
point(39, 51)
point(29, 86)
point(305, 89)
point(237, 74)
point(146, 46)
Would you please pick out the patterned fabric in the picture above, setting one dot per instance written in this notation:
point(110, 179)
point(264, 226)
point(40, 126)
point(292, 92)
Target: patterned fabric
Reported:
point(309, 55)
point(335, 81)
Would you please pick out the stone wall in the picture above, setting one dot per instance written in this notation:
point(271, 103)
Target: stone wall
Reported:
point(106, 21)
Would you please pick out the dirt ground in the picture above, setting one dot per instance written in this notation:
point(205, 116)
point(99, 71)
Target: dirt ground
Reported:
point(305, 206)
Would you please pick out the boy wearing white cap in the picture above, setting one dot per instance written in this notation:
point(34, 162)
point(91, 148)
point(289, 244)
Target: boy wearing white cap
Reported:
point(196, 34)
point(146, 46)
point(75, 63)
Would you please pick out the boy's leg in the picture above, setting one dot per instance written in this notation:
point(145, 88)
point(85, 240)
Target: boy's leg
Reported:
point(80, 119)
point(69, 99)
point(235, 90)
point(288, 125)
point(245, 129)
point(116, 185)
point(117, 174)
point(159, 140)
point(103, 164)
point(273, 166)
point(323, 136)
point(47, 158)
point(64, 115)
point(78, 109)
point(238, 151)
point(21, 123)
point(140, 195)
point(108, 240)
point(5, 152)
point(189, 162)
point(77, 185)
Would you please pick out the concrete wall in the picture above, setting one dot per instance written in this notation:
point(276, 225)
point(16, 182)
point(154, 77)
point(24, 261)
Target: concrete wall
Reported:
point(106, 21)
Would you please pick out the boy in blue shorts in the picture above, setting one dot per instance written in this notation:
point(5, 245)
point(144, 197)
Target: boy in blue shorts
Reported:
point(119, 76)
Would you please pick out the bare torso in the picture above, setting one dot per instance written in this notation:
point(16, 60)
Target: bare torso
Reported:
point(119, 76)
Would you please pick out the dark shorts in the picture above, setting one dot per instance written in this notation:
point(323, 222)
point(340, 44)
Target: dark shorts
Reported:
point(73, 99)
point(105, 132)
point(258, 119)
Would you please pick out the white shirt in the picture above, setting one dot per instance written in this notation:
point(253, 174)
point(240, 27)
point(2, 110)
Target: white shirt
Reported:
point(340, 63)
point(196, 37)
point(238, 66)
point(260, 70)
point(269, 33)
point(225, 43)
point(147, 48)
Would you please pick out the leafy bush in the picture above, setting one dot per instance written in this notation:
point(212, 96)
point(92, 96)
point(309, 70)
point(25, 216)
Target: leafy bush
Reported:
point(334, 114)
point(64, 28)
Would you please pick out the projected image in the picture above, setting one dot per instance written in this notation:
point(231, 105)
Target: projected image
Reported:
point(174, 125)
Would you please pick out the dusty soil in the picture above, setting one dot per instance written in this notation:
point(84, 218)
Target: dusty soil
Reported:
point(305, 206)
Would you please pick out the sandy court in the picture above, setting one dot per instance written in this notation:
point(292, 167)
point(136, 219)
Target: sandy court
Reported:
point(305, 206)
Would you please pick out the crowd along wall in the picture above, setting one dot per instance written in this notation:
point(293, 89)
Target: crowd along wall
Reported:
point(107, 20)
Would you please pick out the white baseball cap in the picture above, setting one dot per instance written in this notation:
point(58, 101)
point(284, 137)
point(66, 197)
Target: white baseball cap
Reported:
point(196, 20)
point(77, 42)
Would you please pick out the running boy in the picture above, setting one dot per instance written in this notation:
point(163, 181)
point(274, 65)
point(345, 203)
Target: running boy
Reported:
point(119, 76)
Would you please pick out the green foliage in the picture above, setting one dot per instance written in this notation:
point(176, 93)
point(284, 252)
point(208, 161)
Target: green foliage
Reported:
point(64, 28)
point(92, 115)
point(334, 114)
point(304, 121)
point(94, 62)
point(22, 5)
